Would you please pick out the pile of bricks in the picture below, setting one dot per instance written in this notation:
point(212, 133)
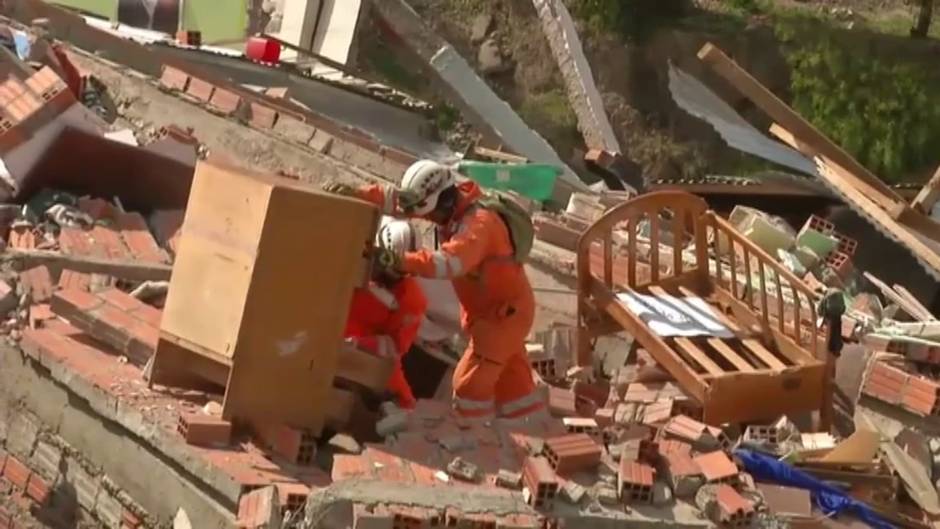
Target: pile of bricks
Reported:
point(311, 130)
point(893, 385)
point(26, 105)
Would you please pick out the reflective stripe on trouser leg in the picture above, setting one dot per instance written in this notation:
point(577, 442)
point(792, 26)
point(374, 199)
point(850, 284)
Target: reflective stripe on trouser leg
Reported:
point(474, 382)
point(516, 392)
point(474, 409)
point(532, 402)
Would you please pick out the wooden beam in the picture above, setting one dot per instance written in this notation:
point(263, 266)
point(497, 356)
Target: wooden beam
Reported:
point(788, 118)
point(499, 155)
point(120, 268)
point(893, 207)
point(864, 197)
point(699, 356)
point(929, 195)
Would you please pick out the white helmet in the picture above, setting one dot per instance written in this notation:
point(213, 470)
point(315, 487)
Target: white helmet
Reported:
point(398, 236)
point(427, 178)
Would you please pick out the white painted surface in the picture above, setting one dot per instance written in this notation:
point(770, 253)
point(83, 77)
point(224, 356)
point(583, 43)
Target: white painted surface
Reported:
point(336, 29)
point(300, 18)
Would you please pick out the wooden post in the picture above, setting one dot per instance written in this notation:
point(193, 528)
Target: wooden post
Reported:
point(929, 194)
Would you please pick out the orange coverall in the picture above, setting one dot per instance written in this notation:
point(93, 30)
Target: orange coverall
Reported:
point(385, 322)
point(497, 304)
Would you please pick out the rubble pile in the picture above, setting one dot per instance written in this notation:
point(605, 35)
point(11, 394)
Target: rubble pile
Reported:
point(84, 290)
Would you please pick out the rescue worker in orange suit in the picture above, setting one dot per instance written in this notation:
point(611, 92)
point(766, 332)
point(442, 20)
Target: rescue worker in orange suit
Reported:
point(493, 376)
point(384, 316)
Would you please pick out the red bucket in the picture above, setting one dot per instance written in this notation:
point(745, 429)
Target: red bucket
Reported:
point(263, 50)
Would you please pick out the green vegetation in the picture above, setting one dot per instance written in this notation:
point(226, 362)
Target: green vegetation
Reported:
point(882, 112)
point(383, 61)
point(445, 117)
point(550, 110)
point(630, 19)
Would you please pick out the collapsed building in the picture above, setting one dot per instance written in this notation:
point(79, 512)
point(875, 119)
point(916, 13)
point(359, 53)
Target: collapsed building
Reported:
point(175, 295)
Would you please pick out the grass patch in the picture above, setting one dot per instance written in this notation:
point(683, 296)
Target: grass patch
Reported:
point(549, 109)
point(383, 61)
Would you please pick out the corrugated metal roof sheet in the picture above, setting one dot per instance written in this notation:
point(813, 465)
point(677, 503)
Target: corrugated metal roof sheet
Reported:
point(696, 99)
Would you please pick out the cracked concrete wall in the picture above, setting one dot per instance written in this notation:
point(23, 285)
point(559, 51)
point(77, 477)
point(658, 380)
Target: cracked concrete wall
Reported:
point(562, 36)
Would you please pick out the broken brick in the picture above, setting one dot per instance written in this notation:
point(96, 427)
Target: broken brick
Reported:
point(463, 470)
point(138, 239)
point(572, 453)
point(635, 481)
point(201, 90)
point(682, 474)
point(71, 279)
point(37, 489)
point(204, 430)
point(716, 466)
point(508, 480)
point(731, 509)
point(263, 116)
point(37, 284)
point(97, 208)
point(350, 467)
point(295, 445)
point(129, 520)
point(562, 402)
point(540, 480)
point(174, 79)
point(16, 472)
point(113, 317)
point(292, 495)
point(225, 101)
point(372, 517)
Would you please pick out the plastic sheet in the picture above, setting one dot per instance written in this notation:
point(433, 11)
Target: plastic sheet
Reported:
point(826, 497)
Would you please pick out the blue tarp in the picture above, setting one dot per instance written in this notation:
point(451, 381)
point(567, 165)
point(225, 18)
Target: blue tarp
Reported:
point(826, 497)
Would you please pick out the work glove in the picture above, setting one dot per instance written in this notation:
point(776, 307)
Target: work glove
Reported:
point(339, 188)
point(408, 200)
point(386, 261)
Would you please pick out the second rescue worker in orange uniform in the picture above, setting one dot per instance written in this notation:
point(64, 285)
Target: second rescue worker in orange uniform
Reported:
point(494, 376)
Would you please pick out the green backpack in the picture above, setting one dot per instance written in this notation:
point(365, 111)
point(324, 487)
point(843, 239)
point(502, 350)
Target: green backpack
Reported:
point(517, 220)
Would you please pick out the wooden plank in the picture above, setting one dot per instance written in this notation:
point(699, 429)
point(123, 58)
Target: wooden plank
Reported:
point(891, 205)
point(761, 352)
point(499, 155)
point(699, 356)
point(130, 270)
point(915, 303)
point(788, 118)
point(731, 355)
point(661, 352)
point(865, 199)
point(907, 216)
point(896, 298)
point(719, 315)
point(928, 195)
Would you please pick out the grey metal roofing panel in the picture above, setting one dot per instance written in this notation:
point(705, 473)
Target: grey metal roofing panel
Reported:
point(696, 99)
